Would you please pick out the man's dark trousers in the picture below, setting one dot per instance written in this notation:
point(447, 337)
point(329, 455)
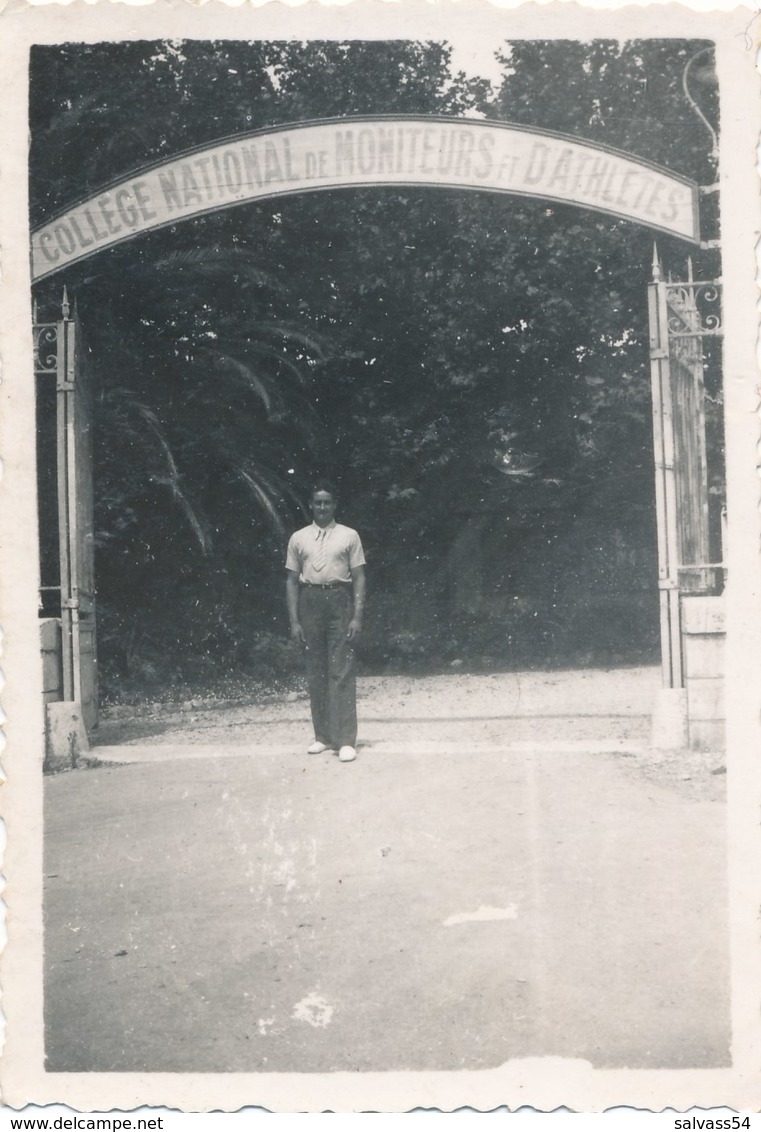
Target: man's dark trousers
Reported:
point(325, 613)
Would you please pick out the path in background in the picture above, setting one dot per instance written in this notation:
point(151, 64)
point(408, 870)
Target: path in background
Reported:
point(604, 710)
point(594, 702)
point(453, 899)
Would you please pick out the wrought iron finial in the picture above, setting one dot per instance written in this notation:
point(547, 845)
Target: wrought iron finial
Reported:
point(65, 303)
point(690, 276)
point(657, 273)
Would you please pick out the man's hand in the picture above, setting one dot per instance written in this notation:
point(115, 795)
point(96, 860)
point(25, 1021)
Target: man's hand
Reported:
point(297, 633)
point(358, 594)
point(354, 629)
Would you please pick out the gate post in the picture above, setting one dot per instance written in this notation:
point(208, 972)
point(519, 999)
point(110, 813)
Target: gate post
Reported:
point(75, 518)
point(71, 702)
point(681, 324)
point(670, 715)
point(66, 491)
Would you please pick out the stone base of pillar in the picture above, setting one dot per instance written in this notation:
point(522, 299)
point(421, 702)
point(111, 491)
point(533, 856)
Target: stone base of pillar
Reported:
point(65, 736)
point(670, 730)
point(703, 638)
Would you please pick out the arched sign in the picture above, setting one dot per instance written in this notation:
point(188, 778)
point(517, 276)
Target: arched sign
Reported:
point(348, 152)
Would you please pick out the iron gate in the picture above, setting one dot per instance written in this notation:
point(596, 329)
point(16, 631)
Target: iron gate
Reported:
point(684, 316)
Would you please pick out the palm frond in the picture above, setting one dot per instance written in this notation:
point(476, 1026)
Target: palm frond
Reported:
point(173, 479)
point(261, 495)
point(277, 485)
point(270, 352)
point(215, 261)
point(292, 333)
point(246, 373)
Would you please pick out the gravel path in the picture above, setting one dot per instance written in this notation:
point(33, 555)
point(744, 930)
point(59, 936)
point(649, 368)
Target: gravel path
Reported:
point(607, 712)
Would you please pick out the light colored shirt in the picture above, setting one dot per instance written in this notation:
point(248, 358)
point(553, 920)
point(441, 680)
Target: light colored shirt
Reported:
point(343, 552)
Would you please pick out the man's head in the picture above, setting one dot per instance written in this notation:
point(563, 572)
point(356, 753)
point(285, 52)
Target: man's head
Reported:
point(323, 502)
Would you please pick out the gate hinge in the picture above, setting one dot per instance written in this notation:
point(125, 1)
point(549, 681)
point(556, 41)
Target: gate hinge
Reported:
point(70, 603)
point(65, 386)
point(667, 584)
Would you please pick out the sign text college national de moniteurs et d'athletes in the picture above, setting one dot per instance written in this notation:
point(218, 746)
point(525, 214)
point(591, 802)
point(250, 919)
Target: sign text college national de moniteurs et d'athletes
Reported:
point(455, 153)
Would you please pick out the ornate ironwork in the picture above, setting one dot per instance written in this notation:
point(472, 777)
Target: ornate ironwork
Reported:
point(688, 316)
point(45, 347)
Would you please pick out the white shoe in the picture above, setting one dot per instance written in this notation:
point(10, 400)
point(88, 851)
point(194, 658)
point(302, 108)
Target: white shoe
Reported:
point(347, 754)
point(318, 748)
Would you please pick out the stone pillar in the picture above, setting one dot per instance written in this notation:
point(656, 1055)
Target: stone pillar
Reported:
point(50, 643)
point(703, 642)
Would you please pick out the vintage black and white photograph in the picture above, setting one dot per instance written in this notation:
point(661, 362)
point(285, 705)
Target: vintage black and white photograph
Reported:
point(382, 516)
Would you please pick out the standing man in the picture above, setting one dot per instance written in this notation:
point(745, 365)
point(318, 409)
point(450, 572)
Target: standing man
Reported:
point(325, 591)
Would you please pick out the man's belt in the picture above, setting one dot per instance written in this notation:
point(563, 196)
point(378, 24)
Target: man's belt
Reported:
point(325, 585)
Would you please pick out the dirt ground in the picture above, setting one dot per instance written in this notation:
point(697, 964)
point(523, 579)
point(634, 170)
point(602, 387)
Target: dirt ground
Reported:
point(506, 871)
point(611, 709)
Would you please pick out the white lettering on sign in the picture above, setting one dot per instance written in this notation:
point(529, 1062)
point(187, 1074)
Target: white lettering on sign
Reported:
point(455, 153)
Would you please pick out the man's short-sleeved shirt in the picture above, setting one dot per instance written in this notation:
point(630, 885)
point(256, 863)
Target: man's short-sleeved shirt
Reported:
point(343, 553)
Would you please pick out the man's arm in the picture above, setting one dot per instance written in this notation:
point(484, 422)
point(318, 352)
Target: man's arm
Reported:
point(292, 599)
point(358, 582)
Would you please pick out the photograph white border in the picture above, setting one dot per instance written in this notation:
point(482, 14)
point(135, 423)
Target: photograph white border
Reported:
point(542, 1083)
